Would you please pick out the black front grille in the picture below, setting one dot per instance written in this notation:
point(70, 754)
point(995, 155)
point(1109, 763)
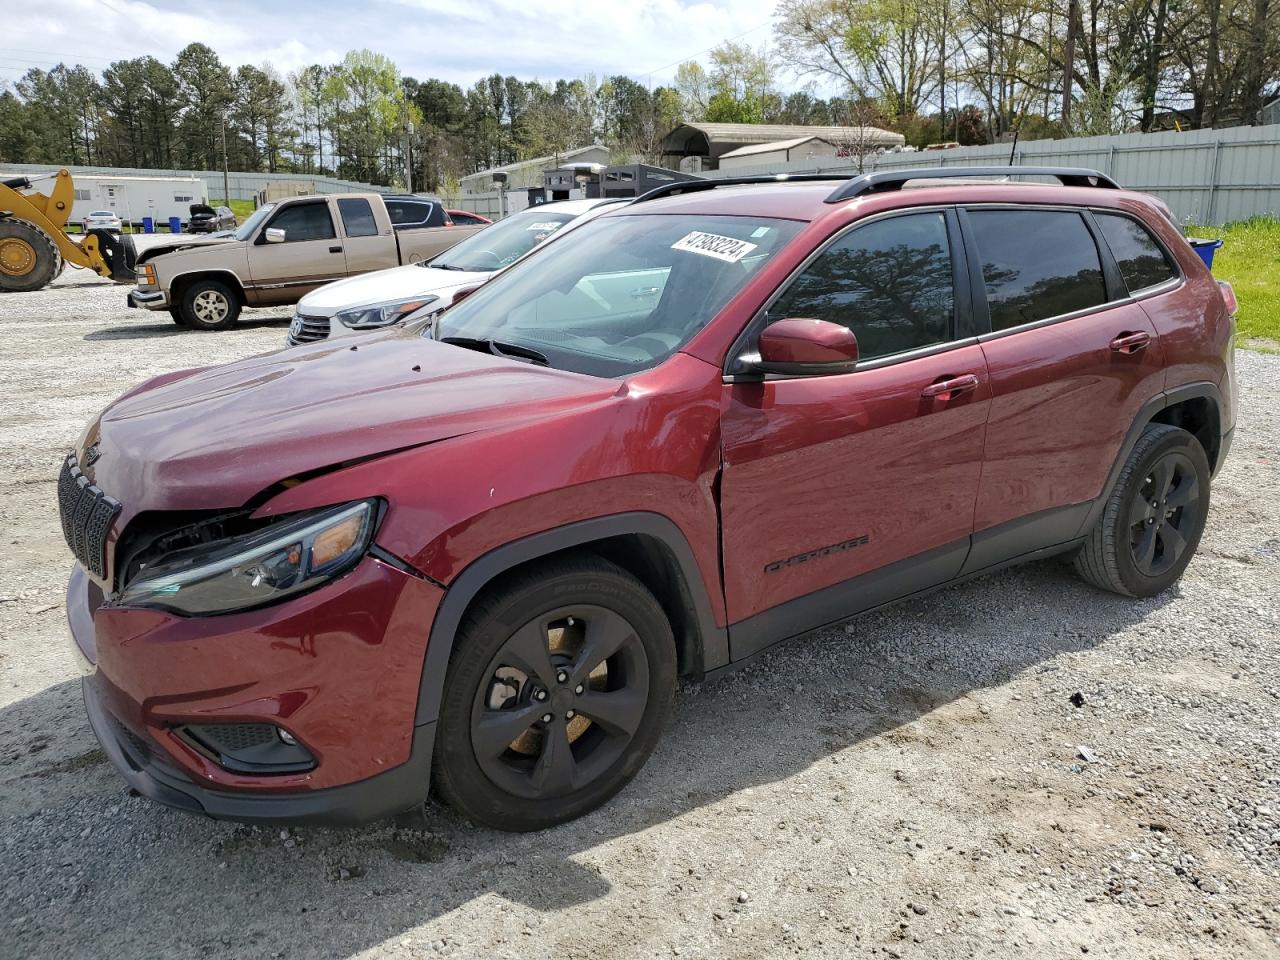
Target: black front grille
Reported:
point(308, 329)
point(87, 515)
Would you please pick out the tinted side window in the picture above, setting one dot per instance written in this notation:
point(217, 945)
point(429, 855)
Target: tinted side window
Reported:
point(304, 221)
point(1142, 262)
point(415, 213)
point(1036, 264)
point(890, 282)
point(357, 217)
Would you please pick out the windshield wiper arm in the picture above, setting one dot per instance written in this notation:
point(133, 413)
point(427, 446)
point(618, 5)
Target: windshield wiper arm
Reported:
point(443, 266)
point(499, 348)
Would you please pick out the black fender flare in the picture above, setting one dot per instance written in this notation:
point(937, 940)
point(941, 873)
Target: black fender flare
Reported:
point(1147, 413)
point(482, 571)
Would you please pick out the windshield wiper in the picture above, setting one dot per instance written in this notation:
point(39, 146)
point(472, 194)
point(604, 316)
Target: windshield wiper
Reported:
point(499, 348)
point(443, 266)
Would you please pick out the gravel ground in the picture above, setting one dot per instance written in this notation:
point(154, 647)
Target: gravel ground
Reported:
point(919, 784)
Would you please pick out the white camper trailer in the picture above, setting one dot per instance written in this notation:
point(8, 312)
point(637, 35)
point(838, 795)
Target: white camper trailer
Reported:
point(132, 198)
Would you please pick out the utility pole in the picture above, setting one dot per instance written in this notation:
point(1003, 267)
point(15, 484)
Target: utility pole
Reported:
point(1068, 62)
point(942, 78)
point(226, 177)
point(406, 139)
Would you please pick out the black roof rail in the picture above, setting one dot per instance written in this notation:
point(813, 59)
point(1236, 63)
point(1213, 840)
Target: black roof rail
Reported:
point(889, 180)
point(693, 186)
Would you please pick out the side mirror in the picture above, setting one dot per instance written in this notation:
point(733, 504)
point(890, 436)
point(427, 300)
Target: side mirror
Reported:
point(807, 347)
point(465, 292)
point(275, 235)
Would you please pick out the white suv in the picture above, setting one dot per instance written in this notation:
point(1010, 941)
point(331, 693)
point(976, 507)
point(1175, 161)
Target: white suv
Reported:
point(387, 297)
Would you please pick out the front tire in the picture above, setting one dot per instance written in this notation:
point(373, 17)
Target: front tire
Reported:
point(1153, 518)
point(29, 260)
point(209, 305)
point(560, 682)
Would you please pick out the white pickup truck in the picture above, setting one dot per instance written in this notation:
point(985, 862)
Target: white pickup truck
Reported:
point(286, 249)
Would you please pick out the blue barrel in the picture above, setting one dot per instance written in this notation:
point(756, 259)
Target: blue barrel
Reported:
point(1205, 249)
point(175, 224)
point(148, 225)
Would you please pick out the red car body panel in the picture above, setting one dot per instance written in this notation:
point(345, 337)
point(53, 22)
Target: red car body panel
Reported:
point(654, 446)
point(336, 667)
point(1063, 402)
point(183, 445)
point(810, 463)
point(780, 489)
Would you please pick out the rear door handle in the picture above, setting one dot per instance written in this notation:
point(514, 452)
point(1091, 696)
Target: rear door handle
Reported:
point(335, 249)
point(944, 390)
point(1128, 343)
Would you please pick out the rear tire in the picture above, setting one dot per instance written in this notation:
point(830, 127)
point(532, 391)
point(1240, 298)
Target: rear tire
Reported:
point(1153, 518)
point(29, 259)
point(209, 305)
point(533, 731)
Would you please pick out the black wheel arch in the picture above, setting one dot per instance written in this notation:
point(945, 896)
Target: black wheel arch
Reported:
point(1195, 407)
point(648, 545)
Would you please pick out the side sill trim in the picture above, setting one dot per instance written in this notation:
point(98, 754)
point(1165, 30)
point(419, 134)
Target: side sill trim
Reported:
point(1040, 554)
point(843, 600)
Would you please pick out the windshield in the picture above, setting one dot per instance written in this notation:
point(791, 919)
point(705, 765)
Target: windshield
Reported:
point(619, 294)
point(503, 243)
point(250, 225)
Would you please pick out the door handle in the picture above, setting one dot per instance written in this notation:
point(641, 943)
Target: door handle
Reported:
point(1129, 343)
point(335, 249)
point(946, 389)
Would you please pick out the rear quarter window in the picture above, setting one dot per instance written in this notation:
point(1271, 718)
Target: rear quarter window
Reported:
point(1143, 262)
point(406, 214)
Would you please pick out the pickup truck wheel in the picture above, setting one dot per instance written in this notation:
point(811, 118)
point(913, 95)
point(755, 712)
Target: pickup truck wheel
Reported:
point(558, 687)
point(1153, 518)
point(209, 305)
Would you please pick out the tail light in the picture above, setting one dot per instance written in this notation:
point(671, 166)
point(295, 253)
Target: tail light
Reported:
point(1228, 297)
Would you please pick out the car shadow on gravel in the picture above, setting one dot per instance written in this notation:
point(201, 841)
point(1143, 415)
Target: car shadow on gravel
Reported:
point(144, 330)
point(855, 687)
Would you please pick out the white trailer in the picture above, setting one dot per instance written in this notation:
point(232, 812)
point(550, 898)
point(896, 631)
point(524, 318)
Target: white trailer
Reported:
point(132, 198)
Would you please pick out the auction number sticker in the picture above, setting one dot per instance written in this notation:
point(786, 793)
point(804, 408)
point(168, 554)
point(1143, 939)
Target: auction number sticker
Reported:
point(728, 249)
point(546, 227)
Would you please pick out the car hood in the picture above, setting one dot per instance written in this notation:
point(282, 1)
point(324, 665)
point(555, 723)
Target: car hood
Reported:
point(215, 438)
point(150, 246)
point(382, 286)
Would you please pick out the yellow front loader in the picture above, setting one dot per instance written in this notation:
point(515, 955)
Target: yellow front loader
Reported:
point(34, 247)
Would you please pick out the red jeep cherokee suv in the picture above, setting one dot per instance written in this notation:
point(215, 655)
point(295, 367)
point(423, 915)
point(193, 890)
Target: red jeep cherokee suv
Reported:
point(478, 552)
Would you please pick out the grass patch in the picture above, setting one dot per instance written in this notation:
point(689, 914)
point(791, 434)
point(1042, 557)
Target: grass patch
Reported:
point(1250, 261)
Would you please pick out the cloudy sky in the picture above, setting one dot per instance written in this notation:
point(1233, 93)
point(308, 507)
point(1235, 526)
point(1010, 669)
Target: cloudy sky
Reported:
point(457, 40)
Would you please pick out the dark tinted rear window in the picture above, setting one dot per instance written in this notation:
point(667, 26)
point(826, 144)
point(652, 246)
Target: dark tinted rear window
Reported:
point(357, 217)
point(415, 213)
point(1142, 262)
point(1036, 264)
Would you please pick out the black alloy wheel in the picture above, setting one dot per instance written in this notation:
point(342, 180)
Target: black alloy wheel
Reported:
point(565, 696)
point(1152, 517)
point(560, 681)
point(1165, 512)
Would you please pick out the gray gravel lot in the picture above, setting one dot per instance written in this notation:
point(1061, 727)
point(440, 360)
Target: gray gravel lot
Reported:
point(908, 786)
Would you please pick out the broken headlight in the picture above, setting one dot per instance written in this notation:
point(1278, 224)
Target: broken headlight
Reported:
point(282, 559)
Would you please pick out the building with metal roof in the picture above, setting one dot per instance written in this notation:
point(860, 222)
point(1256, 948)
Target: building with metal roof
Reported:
point(710, 141)
point(528, 173)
